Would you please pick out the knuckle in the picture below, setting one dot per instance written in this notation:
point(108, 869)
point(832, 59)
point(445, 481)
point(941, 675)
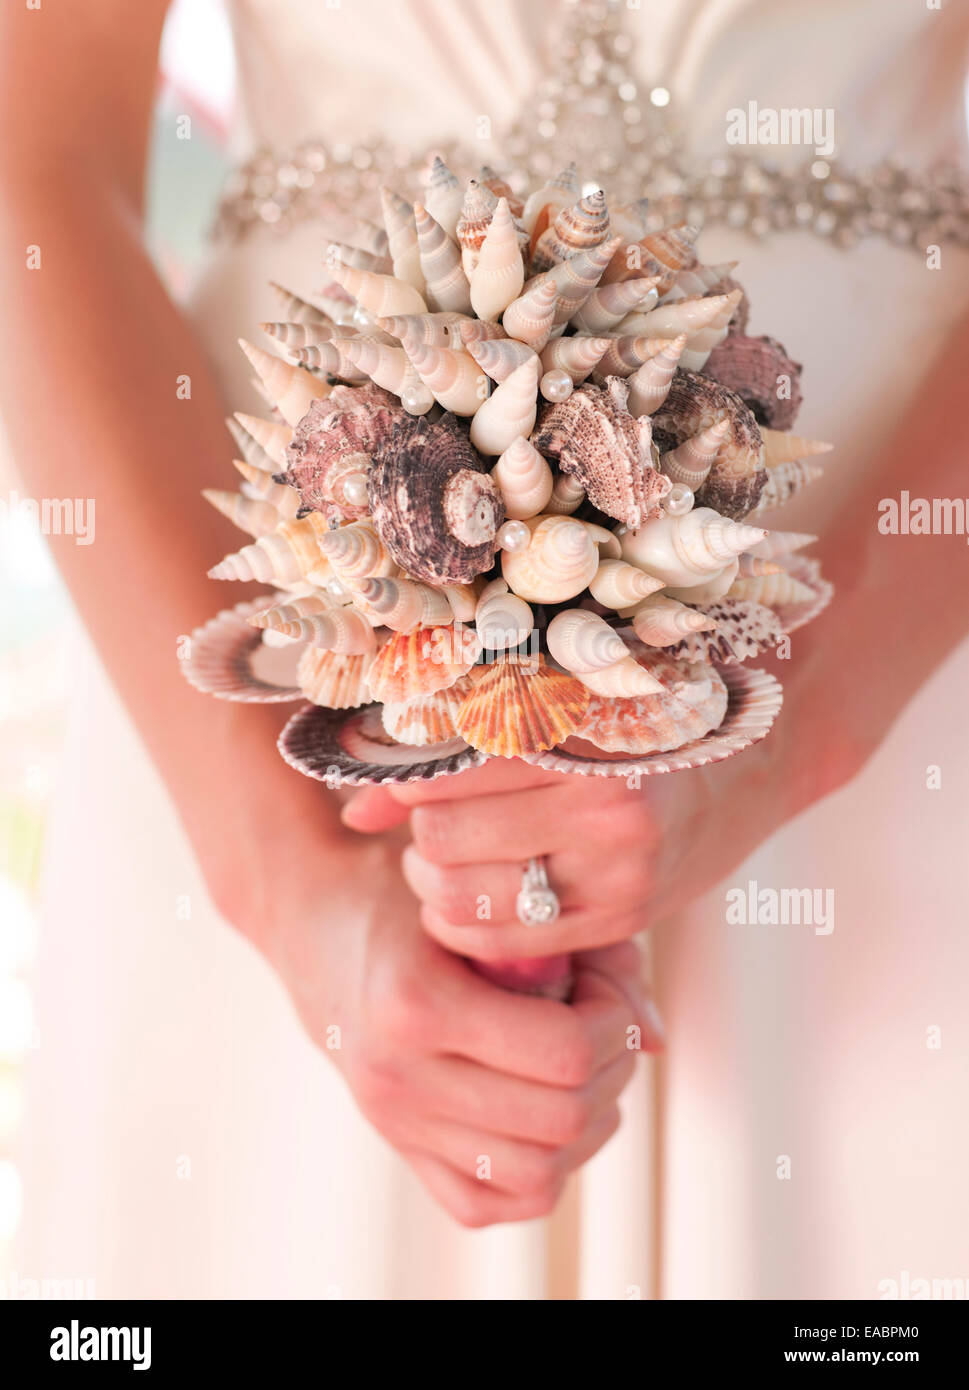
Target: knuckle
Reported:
point(574, 1059)
point(404, 1015)
point(430, 829)
point(539, 1174)
point(570, 1118)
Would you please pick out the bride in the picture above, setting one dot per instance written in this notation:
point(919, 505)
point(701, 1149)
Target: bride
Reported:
point(186, 1136)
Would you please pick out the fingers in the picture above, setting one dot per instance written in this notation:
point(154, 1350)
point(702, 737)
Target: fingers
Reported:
point(471, 1203)
point(496, 775)
point(372, 810)
point(602, 977)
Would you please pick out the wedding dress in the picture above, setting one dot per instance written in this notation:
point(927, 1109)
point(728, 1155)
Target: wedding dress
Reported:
point(182, 1137)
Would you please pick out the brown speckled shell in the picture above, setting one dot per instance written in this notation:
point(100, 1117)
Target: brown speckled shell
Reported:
point(752, 367)
point(351, 420)
point(593, 438)
point(433, 504)
point(693, 701)
point(738, 475)
point(743, 629)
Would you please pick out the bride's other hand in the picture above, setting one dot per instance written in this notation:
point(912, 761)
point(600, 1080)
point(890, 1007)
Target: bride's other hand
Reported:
point(492, 1097)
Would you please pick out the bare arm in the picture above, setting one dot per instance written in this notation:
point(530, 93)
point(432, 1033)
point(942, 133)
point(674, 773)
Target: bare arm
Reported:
point(90, 352)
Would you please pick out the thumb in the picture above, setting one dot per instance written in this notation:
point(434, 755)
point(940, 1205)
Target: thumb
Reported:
point(371, 810)
point(614, 974)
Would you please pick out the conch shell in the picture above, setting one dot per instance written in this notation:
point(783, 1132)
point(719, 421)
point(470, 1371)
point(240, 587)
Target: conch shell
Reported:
point(560, 559)
point(686, 550)
point(593, 438)
point(512, 709)
point(435, 508)
point(509, 412)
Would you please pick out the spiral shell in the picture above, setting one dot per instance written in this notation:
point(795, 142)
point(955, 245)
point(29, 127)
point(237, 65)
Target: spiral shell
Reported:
point(560, 559)
point(594, 438)
point(498, 357)
point(576, 278)
point(567, 496)
point(402, 239)
point(291, 389)
point(546, 202)
point(771, 590)
point(283, 557)
point(356, 552)
point(763, 376)
point(580, 227)
point(529, 318)
point(420, 662)
point(296, 309)
point(662, 622)
point(433, 505)
point(686, 550)
point(335, 440)
point(333, 679)
point(380, 295)
point(453, 377)
point(609, 304)
point(501, 188)
point(400, 604)
point(262, 443)
point(477, 211)
point(621, 680)
point(738, 475)
point(649, 385)
point(618, 584)
point(626, 354)
point(576, 356)
point(446, 282)
point(263, 487)
point(509, 412)
point(514, 709)
point(524, 478)
point(499, 274)
point(253, 515)
point(443, 196)
point(502, 619)
point(690, 462)
point(785, 482)
point(690, 700)
point(341, 630)
point(423, 330)
point(582, 641)
point(781, 448)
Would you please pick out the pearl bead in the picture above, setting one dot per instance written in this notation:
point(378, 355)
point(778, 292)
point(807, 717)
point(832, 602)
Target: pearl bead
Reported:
point(556, 385)
point(514, 535)
point(679, 500)
point(362, 318)
point(335, 589)
point(416, 400)
point(355, 490)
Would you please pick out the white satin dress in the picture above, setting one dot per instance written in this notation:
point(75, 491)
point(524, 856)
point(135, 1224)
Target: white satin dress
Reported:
point(183, 1139)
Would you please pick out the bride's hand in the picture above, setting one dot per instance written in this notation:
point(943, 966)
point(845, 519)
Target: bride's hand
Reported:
point(472, 834)
point(492, 1097)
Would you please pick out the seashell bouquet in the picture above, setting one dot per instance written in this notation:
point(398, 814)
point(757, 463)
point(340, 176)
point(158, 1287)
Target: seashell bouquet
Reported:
point(509, 499)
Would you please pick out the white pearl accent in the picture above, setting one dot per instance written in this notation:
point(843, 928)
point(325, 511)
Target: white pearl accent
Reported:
point(416, 400)
point(679, 500)
point(556, 385)
point(513, 536)
point(355, 490)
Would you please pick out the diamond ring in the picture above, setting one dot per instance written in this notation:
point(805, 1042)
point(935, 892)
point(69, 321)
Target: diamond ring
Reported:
point(537, 904)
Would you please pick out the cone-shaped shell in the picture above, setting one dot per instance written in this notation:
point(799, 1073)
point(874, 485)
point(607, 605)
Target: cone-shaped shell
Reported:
point(629, 219)
point(662, 621)
point(427, 719)
point(443, 196)
point(594, 438)
point(524, 478)
point(262, 443)
point(502, 620)
point(386, 367)
point(253, 515)
point(498, 357)
point(291, 389)
point(689, 701)
point(509, 412)
point(617, 584)
point(576, 356)
point(582, 641)
point(786, 448)
point(287, 618)
point(342, 630)
point(782, 543)
point(568, 494)
point(501, 188)
point(560, 559)
point(300, 335)
point(334, 679)
point(447, 284)
point(609, 304)
point(626, 354)
point(529, 318)
point(420, 662)
point(621, 680)
point(357, 552)
point(402, 239)
point(401, 604)
point(452, 376)
point(428, 330)
point(477, 211)
point(751, 566)
point(685, 550)
point(649, 385)
point(263, 487)
point(576, 278)
point(435, 508)
point(738, 475)
point(515, 708)
point(297, 310)
point(580, 227)
point(772, 590)
point(690, 462)
point(331, 360)
point(784, 482)
point(499, 274)
point(380, 295)
point(285, 556)
point(546, 202)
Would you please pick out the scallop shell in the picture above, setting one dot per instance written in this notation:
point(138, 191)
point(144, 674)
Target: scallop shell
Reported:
point(514, 708)
point(754, 699)
point(401, 604)
point(609, 304)
point(529, 318)
point(428, 719)
point(738, 475)
point(447, 284)
point(333, 440)
point(224, 655)
point(738, 629)
point(433, 505)
point(690, 702)
point(509, 412)
point(499, 275)
point(333, 679)
point(524, 479)
point(380, 295)
point(763, 376)
point(352, 748)
point(580, 227)
point(291, 389)
point(402, 239)
point(421, 662)
point(560, 559)
point(498, 357)
point(594, 438)
point(649, 385)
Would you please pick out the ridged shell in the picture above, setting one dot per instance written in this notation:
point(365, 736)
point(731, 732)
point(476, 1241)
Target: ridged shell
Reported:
point(689, 549)
point(576, 355)
point(508, 412)
point(262, 443)
point(784, 482)
point(692, 702)
point(741, 629)
point(514, 708)
point(580, 227)
point(576, 278)
point(434, 506)
point(443, 196)
point(529, 318)
point(593, 438)
point(617, 584)
point(738, 476)
point(560, 559)
point(283, 557)
point(255, 516)
point(351, 422)
point(221, 655)
point(335, 680)
point(428, 719)
point(420, 662)
point(447, 284)
point(352, 748)
point(763, 376)
point(502, 620)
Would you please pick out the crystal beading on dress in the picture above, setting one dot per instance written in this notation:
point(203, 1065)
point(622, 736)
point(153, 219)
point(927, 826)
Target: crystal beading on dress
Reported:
point(591, 108)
